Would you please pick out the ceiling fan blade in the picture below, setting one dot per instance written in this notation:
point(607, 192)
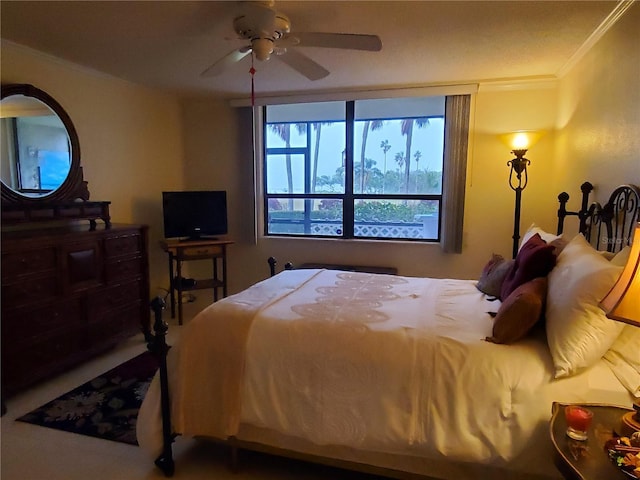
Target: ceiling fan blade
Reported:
point(226, 61)
point(303, 64)
point(350, 41)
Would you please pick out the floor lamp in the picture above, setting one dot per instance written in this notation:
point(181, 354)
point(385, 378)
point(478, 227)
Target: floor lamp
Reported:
point(519, 142)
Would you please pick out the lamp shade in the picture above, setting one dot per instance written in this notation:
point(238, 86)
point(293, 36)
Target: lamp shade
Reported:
point(520, 140)
point(622, 303)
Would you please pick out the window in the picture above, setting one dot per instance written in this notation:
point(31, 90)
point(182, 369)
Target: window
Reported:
point(358, 169)
point(36, 153)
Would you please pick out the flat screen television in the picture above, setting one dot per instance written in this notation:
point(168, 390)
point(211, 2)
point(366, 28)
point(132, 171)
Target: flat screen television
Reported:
point(194, 214)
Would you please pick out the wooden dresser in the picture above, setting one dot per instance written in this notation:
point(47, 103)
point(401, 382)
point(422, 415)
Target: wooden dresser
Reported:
point(69, 293)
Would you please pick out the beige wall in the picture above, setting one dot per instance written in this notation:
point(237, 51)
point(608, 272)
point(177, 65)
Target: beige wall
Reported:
point(491, 202)
point(130, 138)
point(599, 113)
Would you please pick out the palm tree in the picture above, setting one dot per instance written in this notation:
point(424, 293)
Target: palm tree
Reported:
point(318, 128)
point(417, 156)
point(399, 158)
point(407, 130)
point(385, 146)
point(283, 130)
point(374, 125)
point(369, 172)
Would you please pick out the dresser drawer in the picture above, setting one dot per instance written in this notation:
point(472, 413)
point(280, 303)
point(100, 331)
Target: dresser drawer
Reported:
point(28, 262)
point(118, 270)
point(82, 265)
point(122, 245)
point(205, 251)
point(103, 302)
point(41, 358)
point(26, 292)
point(115, 325)
point(26, 324)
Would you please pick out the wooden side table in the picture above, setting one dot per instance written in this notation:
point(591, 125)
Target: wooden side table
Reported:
point(586, 460)
point(186, 250)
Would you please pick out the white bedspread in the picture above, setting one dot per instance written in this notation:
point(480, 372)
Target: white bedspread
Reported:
point(376, 362)
point(387, 363)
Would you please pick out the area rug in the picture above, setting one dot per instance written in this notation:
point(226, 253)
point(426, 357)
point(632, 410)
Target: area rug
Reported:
point(105, 407)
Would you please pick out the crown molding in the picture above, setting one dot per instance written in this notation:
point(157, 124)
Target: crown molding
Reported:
point(621, 7)
point(8, 44)
point(535, 83)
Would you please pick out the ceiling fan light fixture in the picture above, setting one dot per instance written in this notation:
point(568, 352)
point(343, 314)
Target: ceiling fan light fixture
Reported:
point(268, 32)
point(262, 48)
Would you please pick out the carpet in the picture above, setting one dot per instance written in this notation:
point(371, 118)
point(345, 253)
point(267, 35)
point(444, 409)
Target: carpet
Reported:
point(105, 407)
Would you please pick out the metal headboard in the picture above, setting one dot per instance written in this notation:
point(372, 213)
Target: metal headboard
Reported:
point(607, 227)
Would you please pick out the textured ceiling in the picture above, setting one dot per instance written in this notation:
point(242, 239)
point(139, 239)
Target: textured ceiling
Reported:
point(168, 44)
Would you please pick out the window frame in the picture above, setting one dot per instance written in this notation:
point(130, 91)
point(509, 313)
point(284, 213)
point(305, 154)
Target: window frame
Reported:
point(348, 197)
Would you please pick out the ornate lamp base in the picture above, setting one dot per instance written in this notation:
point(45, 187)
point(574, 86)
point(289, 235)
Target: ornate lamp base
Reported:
point(630, 422)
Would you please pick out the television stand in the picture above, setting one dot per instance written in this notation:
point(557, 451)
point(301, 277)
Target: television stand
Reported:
point(180, 251)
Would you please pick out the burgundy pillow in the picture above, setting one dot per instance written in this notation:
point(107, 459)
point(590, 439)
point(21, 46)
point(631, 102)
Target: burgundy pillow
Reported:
point(520, 312)
point(535, 259)
point(493, 275)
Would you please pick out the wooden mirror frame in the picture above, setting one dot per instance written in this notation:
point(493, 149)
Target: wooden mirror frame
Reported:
point(70, 199)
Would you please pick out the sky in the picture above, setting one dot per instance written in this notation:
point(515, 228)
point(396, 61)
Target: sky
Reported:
point(428, 140)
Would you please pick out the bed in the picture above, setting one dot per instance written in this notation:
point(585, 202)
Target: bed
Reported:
point(407, 377)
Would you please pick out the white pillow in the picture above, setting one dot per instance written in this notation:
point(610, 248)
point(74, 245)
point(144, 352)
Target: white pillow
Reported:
point(620, 259)
point(532, 230)
point(578, 331)
point(617, 258)
point(606, 255)
point(624, 359)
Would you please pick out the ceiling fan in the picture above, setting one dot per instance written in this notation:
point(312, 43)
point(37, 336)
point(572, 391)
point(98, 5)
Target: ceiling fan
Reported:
point(269, 31)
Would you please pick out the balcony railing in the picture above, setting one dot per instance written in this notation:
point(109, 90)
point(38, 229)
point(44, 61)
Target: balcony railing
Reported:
point(425, 229)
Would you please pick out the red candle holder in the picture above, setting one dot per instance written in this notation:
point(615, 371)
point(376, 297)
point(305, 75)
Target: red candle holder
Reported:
point(578, 421)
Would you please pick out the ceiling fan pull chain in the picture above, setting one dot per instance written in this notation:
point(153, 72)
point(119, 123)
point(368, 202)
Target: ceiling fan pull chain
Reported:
point(252, 71)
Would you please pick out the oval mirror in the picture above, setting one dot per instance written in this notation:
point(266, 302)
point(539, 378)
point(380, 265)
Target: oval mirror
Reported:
point(39, 148)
